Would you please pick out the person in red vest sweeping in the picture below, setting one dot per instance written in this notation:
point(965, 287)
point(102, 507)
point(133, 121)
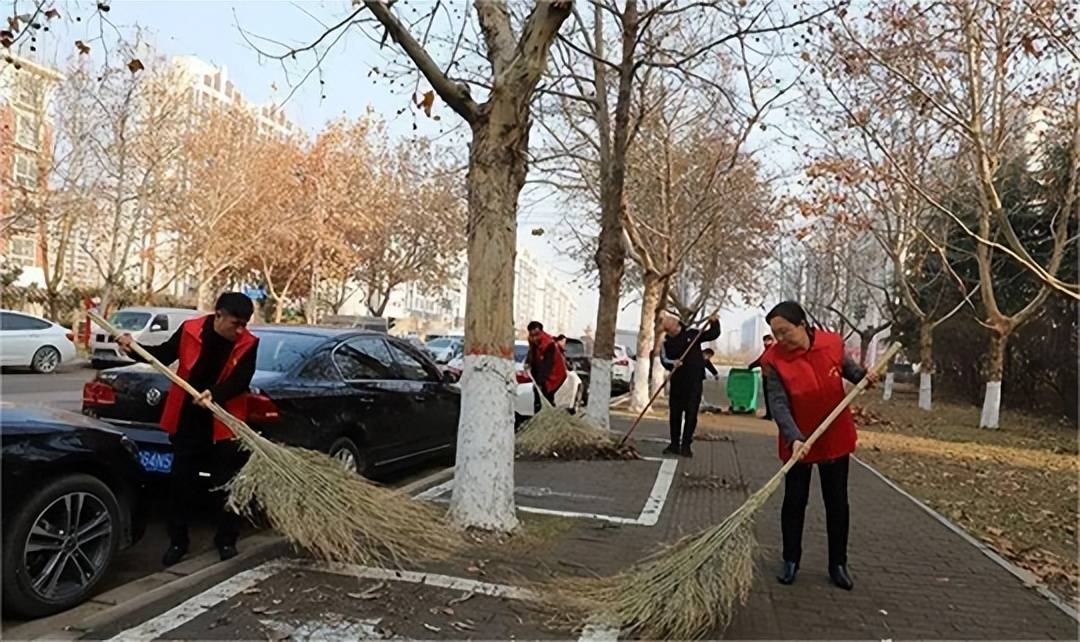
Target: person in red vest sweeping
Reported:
point(216, 354)
point(805, 374)
point(546, 363)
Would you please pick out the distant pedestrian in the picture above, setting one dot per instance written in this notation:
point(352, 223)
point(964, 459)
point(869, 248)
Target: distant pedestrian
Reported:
point(688, 372)
point(708, 354)
point(216, 354)
point(767, 341)
point(561, 342)
point(805, 374)
point(546, 364)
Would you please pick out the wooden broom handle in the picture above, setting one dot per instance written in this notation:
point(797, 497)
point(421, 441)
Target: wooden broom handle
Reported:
point(878, 368)
point(213, 407)
point(656, 393)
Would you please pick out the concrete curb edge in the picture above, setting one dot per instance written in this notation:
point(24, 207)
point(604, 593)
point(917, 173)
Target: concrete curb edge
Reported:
point(1026, 577)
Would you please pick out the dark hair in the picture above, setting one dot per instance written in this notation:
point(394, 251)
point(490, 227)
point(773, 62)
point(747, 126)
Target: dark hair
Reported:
point(789, 311)
point(708, 351)
point(535, 325)
point(236, 304)
point(767, 337)
point(561, 337)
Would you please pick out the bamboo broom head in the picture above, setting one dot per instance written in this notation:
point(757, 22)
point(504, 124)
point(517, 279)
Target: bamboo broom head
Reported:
point(555, 433)
point(334, 513)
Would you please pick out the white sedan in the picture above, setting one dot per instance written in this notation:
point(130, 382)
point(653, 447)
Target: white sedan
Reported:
point(30, 341)
point(567, 396)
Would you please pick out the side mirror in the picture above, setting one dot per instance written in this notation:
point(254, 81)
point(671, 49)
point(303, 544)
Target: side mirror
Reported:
point(449, 376)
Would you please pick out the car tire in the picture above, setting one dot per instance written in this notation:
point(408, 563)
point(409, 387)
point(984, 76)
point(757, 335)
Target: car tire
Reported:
point(46, 360)
point(345, 451)
point(99, 514)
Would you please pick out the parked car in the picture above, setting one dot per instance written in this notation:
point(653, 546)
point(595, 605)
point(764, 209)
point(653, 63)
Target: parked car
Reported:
point(622, 370)
point(149, 326)
point(372, 401)
point(446, 349)
point(28, 341)
point(577, 361)
point(72, 493)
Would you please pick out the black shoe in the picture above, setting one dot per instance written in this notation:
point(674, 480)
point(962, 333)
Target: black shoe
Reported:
point(839, 576)
point(767, 417)
point(227, 551)
point(174, 555)
point(673, 449)
point(686, 452)
point(787, 572)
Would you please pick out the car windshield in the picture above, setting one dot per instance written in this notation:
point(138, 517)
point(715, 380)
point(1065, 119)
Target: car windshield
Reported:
point(520, 352)
point(130, 320)
point(575, 348)
point(280, 351)
point(441, 343)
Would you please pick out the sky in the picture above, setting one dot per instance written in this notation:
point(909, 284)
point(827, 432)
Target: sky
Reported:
point(227, 34)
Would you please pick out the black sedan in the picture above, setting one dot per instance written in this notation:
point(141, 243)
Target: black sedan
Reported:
point(72, 497)
point(372, 401)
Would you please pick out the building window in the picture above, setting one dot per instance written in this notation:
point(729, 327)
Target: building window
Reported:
point(26, 91)
point(22, 251)
point(26, 130)
point(25, 173)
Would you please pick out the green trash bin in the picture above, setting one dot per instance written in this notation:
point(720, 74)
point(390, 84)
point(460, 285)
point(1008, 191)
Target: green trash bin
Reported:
point(742, 389)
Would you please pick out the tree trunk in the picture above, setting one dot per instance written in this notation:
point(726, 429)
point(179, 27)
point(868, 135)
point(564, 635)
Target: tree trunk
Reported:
point(611, 262)
point(995, 370)
point(484, 472)
point(650, 299)
point(657, 375)
point(926, 365)
point(311, 304)
point(864, 346)
point(205, 295)
point(888, 390)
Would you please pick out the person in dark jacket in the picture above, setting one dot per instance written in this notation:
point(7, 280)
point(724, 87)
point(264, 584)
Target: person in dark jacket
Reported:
point(216, 355)
point(708, 354)
point(681, 353)
point(546, 363)
point(767, 341)
point(806, 369)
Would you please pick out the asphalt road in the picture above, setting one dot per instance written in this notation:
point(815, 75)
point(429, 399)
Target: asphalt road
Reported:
point(64, 390)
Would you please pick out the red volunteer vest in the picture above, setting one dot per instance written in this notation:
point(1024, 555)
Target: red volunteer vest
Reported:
point(558, 369)
point(190, 349)
point(814, 385)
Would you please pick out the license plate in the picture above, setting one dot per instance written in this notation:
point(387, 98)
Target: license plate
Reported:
point(153, 462)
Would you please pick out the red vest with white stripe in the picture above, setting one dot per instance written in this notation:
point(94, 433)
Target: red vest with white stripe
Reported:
point(190, 349)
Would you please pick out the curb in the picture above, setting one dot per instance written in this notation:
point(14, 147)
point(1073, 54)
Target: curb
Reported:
point(1026, 577)
point(204, 569)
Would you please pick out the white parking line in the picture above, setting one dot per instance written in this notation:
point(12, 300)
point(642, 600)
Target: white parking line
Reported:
point(172, 619)
point(649, 515)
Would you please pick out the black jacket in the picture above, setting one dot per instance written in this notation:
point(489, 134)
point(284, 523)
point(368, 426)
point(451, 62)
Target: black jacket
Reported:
point(692, 370)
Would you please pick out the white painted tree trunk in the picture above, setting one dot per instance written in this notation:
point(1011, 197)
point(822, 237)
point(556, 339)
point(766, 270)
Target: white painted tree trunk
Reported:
point(639, 394)
point(926, 394)
point(991, 408)
point(889, 380)
point(597, 410)
point(652, 290)
point(484, 469)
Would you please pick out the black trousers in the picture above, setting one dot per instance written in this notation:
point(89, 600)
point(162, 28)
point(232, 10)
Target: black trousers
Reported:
point(550, 396)
point(683, 404)
point(221, 460)
point(834, 483)
point(765, 391)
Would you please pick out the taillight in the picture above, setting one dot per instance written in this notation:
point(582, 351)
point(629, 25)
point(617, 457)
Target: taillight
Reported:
point(261, 409)
point(523, 376)
point(70, 336)
point(96, 393)
point(622, 362)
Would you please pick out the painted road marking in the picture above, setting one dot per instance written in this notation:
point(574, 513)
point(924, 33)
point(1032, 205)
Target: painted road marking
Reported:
point(649, 515)
point(174, 618)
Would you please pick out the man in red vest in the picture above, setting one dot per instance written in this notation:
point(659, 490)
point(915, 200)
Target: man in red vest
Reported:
point(546, 362)
point(216, 354)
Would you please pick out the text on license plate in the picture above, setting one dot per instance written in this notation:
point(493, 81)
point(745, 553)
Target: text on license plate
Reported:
point(154, 462)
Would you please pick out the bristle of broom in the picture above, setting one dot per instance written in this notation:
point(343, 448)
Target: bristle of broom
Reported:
point(555, 433)
point(334, 513)
point(683, 592)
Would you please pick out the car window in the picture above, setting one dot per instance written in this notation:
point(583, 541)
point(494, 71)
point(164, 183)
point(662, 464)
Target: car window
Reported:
point(439, 344)
point(410, 367)
point(520, 352)
point(160, 323)
point(280, 351)
point(364, 359)
point(10, 321)
point(575, 349)
point(130, 321)
point(320, 367)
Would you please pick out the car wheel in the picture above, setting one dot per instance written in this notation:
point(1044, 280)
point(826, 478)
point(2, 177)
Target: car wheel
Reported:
point(59, 545)
point(46, 360)
point(346, 453)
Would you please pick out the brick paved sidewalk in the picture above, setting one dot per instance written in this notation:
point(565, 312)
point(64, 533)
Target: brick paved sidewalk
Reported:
point(915, 578)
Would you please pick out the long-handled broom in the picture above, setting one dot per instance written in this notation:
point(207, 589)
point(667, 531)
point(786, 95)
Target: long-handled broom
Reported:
point(690, 588)
point(316, 503)
point(555, 433)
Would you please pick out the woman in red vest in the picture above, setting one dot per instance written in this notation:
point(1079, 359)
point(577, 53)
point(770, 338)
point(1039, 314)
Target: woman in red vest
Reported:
point(805, 372)
point(216, 354)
